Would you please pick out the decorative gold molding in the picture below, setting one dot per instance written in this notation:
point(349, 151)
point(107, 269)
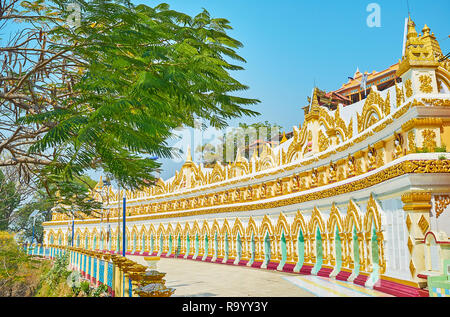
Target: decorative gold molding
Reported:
point(422, 199)
point(425, 84)
point(422, 122)
point(408, 86)
point(423, 224)
point(441, 203)
point(429, 139)
point(437, 102)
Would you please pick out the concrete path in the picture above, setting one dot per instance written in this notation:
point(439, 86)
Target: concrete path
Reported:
point(203, 279)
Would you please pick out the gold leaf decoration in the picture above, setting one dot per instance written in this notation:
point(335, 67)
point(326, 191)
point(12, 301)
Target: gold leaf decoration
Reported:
point(408, 86)
point(423, 224)
point(441, 201)
point(429, 139)
point(425, 84)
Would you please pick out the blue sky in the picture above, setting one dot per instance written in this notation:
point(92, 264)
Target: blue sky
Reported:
point(291, 44)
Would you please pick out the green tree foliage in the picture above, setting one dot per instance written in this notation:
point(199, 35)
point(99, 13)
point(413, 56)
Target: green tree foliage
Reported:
point(137, 72)
point(9, 201)
point(42, 204)
point(242, 138)
point(12, 261)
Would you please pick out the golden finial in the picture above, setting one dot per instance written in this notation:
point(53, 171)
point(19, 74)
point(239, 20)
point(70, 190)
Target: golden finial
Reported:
point(238, 156)
point(189, 156)
point(100, 182)
point(315, 102)
point(283, 139)
point(426, 30)
point(411, 29)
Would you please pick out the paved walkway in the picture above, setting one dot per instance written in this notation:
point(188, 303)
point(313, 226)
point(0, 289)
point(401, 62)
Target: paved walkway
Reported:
point(195, 279)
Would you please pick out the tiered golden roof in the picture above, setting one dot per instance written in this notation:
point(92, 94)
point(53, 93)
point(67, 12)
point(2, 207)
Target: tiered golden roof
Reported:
point(420, 50)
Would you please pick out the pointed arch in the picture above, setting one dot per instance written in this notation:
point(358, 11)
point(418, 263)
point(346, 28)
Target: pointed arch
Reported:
point(95, 239)
point(266, 225)
point(354, 238)
point(353, 217)
point(316, 220)
point(226, 228)
point(205, 230)
point(373, 214)
point(374, 237)
point(215, 228)
point(151, 230)
point(161, 230)
point(299, 224)
point(143, 238)
point(251, 227)
point(195, 229)
point(178, 229)
point(238, 227)
point(335, 219)
point(218, 174)
point(282, 224)
point(169, 230)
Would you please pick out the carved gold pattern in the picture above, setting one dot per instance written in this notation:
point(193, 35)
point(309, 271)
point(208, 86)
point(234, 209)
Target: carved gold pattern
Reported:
point(441, 203)
point(437, 102)
point(425, 84)
point(410, 245)
point(324, 142)
point(374, 109)
point(408, 222)
point(408, 87)
point(406, 167)
point(429, 139)
point(423, 224)
point(411, 142)
point(400, 97)
point(412, 268)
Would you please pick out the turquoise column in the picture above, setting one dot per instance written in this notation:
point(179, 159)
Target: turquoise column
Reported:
point(283, 251)
point(216, 247)
point(238, 249)
point(356, 253)
point(301, 251)
point(319, 253)
point(267, 251)
point(178, 245)
point(188, 246)
point(196, 246)
point(152, 242)
point(226, 253)
point(143, 243)
point(169, 252)
point(252, 250)
point(161, 244)
point(206, 248)
point(338, 248)
point(375, 275)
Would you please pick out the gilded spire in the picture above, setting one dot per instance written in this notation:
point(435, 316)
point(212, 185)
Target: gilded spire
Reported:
point(283, 139)
point(411, 29)
point(238, 156)
point(100, 182)
point(419, 51)
point(188, 155)
point(315, 102)
point(426, 30)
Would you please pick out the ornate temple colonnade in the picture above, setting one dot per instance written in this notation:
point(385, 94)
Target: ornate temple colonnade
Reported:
point(360, 193)
point(373, 237)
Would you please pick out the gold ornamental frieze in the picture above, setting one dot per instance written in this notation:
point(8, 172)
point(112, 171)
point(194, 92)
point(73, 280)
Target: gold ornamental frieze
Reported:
point(421, 200)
